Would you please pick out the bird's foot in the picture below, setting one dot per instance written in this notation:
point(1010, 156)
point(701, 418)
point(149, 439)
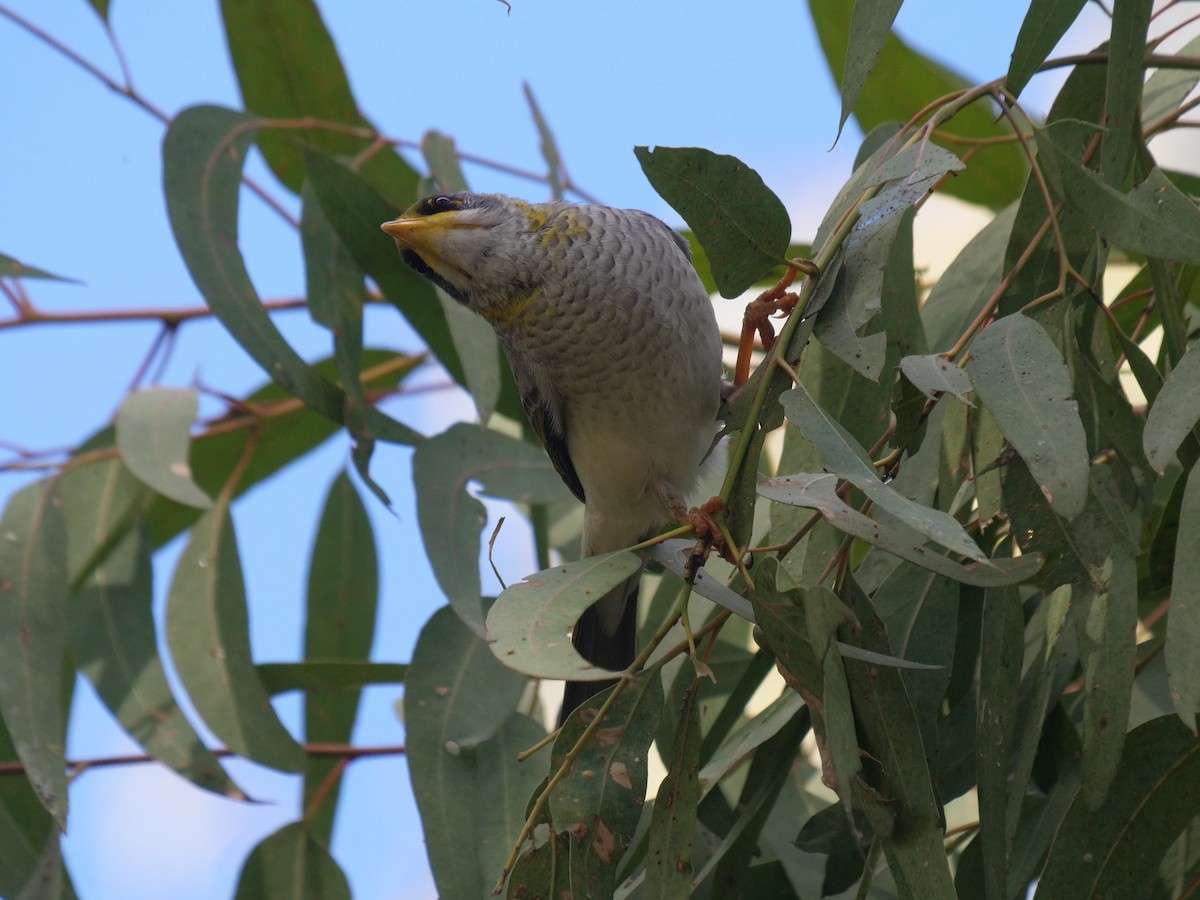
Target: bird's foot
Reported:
point(709, 534)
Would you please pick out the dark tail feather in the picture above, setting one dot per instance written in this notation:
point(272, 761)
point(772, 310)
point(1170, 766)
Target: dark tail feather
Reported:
point(610, 651)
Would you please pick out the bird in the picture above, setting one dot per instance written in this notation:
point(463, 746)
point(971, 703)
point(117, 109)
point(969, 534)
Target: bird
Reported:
point(615, 350)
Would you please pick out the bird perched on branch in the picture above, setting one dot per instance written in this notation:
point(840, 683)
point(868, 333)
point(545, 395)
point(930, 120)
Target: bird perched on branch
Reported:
point(615, 349)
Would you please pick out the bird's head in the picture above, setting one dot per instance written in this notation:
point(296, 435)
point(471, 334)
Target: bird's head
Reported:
point(479, 248)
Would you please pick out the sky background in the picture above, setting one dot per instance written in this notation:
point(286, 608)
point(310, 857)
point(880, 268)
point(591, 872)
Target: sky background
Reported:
point(82, 198)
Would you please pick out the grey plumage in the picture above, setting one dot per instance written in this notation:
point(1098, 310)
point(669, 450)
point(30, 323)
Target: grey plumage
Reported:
point(614, 346)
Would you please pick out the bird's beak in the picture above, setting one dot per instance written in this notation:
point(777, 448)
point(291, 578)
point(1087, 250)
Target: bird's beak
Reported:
point(417, 232)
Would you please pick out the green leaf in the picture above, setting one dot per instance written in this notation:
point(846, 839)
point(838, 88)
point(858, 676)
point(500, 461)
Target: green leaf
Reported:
point(843, 456)
point(934, 374)
point(288, 68)
point(870, 23)
point(356, 210)
point(968, 282)
point(111, 638)
point(1174, 412)
point(457, 697)
point(1154, 218)
point(888, 733)
point(154, 436)
point(753, 734)
point(1046, 21)
point(25, 826)
point(504, 785)
point(1183, 623)
point(1126, 73)
point(1021, 378)
point(1166, 88)
point(101, 8)
point(14, 268)
point(33, 593)
point(529, 626)
point(203, 154)
point(743, 226)
point(343, 595)
point(316, 675)
point(208, 633)
point(669, 857)
point(555, 176)
point(600, 800)
point(904, 81)
point(819, 492)
point(1002, 646)
point(441, 158)
point(1114, 850)
point(291, 863)
point(283, 431)
point(452, 520)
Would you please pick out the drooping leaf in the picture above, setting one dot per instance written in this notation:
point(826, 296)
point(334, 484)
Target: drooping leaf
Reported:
point(1046, 21)
point(1002, 647)
point(154, 436)
point(33, 593)
point(356, 210)
point(110, 628)
point(208, 633)
point(1166, 88)
point(743, 226)
point(547, 144)
point(870, 23)
point(1154, 218)
point(1114, 850)
point(600, 801)
point(282, 428)
point(669, 856)
point(291, 863)
point(529, 625)
point(1126, 73)
point(1183, 623)
point(819, 492)
point(457, 697)
point(14, 268)
point(203, 154)
point(1174, 411)
point(1020, 377)
point(342, 598)
point(904, 81)
point(504, 785)
point(842, 455)
point(935, 374)
point(288, 68)
point(451, 520)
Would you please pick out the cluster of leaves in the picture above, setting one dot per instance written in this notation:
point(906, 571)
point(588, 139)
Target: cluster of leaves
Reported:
point(976, 569)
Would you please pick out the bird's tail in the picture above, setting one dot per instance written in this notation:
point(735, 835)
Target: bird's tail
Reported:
point(608, 648)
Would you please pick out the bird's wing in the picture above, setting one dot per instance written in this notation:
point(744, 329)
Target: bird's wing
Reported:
point(549, 428)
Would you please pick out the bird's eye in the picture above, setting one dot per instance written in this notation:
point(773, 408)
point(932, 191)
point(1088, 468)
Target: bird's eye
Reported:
point(443, 204)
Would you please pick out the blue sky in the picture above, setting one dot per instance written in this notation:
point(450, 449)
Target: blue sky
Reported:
point(82, 198)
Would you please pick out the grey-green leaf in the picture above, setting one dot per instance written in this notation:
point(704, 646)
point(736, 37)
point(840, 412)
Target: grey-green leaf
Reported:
point(744, 227)
point(934, 374)
point(1175, 411)
point(1022, 380)
point(203, 154)
point(208, 633)
point(529, 625)
point(451, 520)
point(870, 23)
point(1183, 624)
point(291, 863)
point(33, 592)
point(1046, 21)
point(154, 437)
point(843, 456)
point(457, 697)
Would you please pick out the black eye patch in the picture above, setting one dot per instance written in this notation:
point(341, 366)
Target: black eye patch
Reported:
point(439, 203)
